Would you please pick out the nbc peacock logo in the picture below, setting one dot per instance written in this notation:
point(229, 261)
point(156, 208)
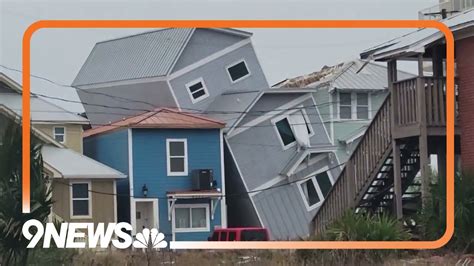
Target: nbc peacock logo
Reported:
point(150, 238)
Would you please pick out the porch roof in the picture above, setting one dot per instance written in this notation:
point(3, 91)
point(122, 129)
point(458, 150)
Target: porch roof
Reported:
point(191, 194)
point(416, 41)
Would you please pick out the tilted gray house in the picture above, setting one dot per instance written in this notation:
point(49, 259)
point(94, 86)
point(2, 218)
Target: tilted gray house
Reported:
point(185, 68)
point(348, 96)
point(280, 162)
point(279, 158)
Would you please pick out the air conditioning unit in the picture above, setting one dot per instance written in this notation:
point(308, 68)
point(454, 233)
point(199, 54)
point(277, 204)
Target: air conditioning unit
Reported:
point(203, 179)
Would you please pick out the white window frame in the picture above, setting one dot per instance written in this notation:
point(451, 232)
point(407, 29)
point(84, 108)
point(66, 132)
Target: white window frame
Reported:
point(71, 199)
point(234, 64)
point(287, 115)
point(168, 157)
point(204, 87)
point(64, 134)
point(278, 119)
point(354, 106)
point(191, 206)
point(312, 177)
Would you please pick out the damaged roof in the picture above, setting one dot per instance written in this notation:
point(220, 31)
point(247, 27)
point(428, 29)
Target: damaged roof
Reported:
point(415, 41)
point(354, 74)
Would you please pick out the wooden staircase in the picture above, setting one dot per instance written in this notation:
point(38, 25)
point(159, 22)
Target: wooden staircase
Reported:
point(413, 110)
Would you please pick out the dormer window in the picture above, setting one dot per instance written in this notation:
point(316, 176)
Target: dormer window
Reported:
point(59, 134)
point(197, 90)
point(238, 71)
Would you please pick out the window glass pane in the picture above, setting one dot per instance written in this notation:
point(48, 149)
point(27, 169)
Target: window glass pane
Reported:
point(238, 71)
point(231, 236)
point(324, 183)
point(59, 138)
point(199, 217)
point(198, 94)
point(362, 99)
point(253, 235)
point(284, 129)
point(80, 191)
point(182, 218)
point(223, 236)
point(195, 87)
point(344, 98)
point(80, 207)
point(310, 192)
point(345, 112)
point(362, 113)
point(177, 148)
point(177, 164)
point(59, 130)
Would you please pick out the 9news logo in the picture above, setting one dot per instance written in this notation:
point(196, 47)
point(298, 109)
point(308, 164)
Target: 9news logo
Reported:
point(75, 235)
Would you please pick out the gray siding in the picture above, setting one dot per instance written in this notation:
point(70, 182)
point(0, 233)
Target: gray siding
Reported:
point(217, 79)
point(240, 208)
point(283, 210)
point(269, 101)
point(157, 93)
point(203, 43)
point(262, 141)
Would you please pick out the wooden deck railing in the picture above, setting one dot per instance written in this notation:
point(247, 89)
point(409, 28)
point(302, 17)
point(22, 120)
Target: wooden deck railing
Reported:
point(359, 169)
point(411, 94)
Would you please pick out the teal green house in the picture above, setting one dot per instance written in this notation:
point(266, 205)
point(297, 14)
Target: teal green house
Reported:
point(348, 95)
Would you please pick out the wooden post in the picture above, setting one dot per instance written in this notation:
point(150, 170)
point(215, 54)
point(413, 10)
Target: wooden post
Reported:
point(397, 181)
point(350, 175)
point(441, 154)
point(397, 177)
point(423, 138)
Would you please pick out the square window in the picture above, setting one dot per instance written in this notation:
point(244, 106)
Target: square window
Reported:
point(177, 161)
point(285, 132)
point(197, 90)
point(238, 71)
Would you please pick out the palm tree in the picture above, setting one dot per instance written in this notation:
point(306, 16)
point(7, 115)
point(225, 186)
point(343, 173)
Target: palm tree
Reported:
point(13, 245)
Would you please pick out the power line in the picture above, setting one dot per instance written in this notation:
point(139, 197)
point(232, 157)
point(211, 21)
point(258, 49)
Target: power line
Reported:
point(221, 196)
point(122, 99)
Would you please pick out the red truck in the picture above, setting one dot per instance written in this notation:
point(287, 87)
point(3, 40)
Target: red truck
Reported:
point(240, 234)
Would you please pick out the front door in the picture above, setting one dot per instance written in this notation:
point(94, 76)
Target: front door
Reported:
point(144, 215)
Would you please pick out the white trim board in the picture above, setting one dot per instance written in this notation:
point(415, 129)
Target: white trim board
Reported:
point(223, 200)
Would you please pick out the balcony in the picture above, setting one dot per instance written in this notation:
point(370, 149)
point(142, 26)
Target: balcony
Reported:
point(419, 102)
point(452, 7)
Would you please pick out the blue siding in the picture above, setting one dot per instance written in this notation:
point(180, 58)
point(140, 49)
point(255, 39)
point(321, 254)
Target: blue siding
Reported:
point(149, 167)
point(112, 149)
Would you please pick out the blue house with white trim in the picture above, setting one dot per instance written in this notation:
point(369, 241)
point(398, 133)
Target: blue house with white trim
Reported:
point(174, 161)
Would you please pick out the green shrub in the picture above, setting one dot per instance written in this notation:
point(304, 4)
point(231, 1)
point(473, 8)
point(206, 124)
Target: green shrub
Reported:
point(432, 218)
point(356, 227)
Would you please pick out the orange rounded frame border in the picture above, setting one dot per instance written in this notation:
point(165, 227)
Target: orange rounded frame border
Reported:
point(373, 24)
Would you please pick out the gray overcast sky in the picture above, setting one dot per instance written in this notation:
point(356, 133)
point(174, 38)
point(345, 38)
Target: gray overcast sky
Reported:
point(58, 54)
